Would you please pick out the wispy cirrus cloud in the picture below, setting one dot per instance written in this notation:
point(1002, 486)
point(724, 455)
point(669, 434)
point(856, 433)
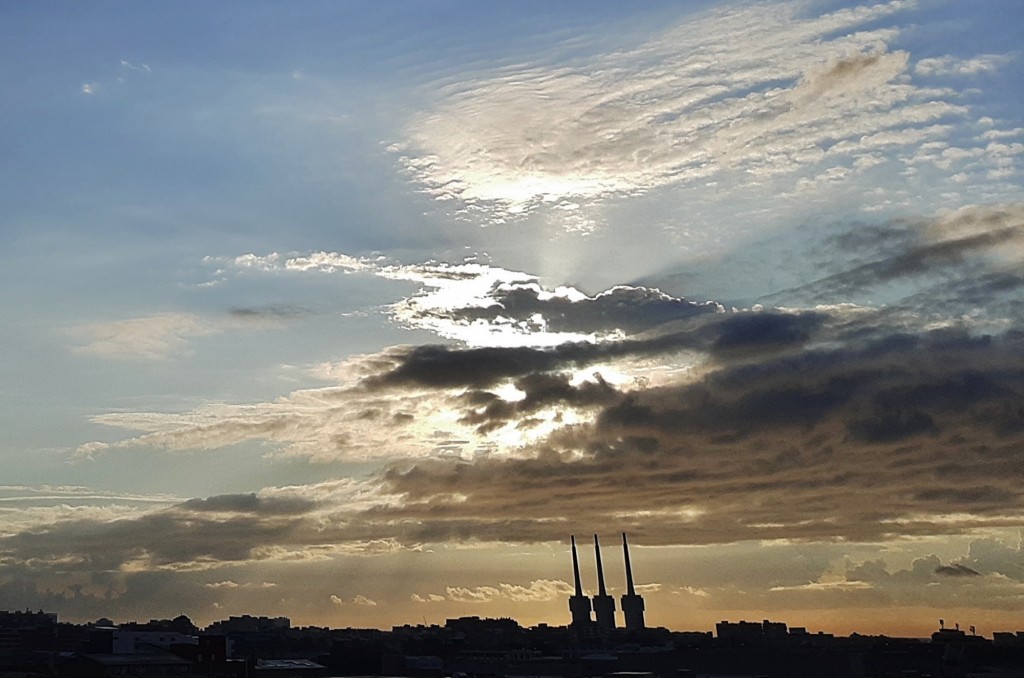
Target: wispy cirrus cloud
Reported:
point(951, 65)
point(741, 95)
point(154, 337)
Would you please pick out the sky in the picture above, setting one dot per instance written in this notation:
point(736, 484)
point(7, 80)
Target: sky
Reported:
point(355, 312)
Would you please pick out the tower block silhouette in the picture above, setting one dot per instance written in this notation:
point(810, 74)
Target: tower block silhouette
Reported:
point(632, 604)
point(579, 604)
point(604, 605)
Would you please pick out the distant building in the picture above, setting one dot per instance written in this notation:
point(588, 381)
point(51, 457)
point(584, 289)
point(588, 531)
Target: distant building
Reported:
point(138, 642)
point(250, 624)
point(756, 634)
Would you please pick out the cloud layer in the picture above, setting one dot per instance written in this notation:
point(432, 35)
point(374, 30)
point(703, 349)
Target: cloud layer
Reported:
point(746, 95)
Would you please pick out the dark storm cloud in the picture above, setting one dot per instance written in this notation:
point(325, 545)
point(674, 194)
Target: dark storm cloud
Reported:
point(250, 503)
point(956, 256)
point(886, 390)
point(847, 442)
point(487, 411)
point(758, 331)
point(268, 312)
point(160, 538)
point(956, 570)
point(629, 309)
point(448, 367)
point(920, 259)
point(218, 528)
point(801, 426)
point(758, 449)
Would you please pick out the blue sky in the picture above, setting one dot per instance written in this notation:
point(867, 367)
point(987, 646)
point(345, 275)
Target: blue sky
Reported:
point(338, 290)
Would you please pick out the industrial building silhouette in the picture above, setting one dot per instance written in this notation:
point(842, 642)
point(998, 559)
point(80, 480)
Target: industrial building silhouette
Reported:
point(603, 605)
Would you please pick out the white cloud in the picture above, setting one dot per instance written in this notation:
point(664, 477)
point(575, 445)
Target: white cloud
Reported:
point(324, 262)
point(360, 600)
point(154, 337)
point(477, 594)
point(327, 262)
point(228, 584)
point(825, 586)
point(950, 65)
point(752, 92)
point(691, 591)
point(429, 598)
point(138, 68)
point(447, 287)
point(539, 590)
point(321, 424)
point(88, 88)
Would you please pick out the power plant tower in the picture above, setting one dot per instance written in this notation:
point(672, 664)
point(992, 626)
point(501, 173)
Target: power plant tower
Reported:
point(604, 605)
point(632, 604)
point(579, 604)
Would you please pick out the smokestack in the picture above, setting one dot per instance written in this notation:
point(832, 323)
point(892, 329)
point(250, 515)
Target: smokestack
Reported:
point(579, 604)
point(604, 605)
point(576, 567)
point(632, 604)
point(629, 570)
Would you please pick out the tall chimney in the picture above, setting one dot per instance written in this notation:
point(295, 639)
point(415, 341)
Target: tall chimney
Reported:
point(579, 604)
point(632, 604)
point(604, 605)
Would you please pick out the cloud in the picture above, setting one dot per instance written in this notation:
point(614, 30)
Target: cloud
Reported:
point(478, 594)
point(320, 262)
point(429, 598)
point(992, 556)
point(138, 68)
point(539, 590)
point(779, 424)
point(394, 402)
point(250, 503)
point(443, 367)
point(359, 600)
point(155, 337)
point(267, 313)
point(276, 524)
point(232, 585)
point(964, 245)
point(761, 92)
point(823, 444)
point(489, 306)
point(956, 570)
point(951, 65)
